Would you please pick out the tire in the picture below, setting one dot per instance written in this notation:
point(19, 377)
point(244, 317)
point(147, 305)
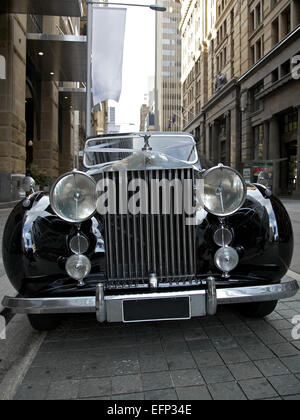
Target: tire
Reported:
point(43, 322)
point(258, 309)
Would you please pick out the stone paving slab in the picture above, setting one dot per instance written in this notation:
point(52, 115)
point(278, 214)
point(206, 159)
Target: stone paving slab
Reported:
point(222, 357)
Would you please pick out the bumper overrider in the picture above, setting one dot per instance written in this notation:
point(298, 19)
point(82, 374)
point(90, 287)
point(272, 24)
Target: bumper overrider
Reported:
point(153, 305)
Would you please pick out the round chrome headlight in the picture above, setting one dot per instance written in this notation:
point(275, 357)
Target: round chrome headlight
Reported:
point(73, 197)
point(226, 259)
point(78, 266)
point(224, 191)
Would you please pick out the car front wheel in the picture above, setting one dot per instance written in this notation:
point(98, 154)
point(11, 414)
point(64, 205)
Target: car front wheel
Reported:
point(43, 322)
point(258, 309)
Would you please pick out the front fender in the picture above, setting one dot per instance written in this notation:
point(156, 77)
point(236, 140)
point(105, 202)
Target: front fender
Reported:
point(35, 246)
point(263, 237)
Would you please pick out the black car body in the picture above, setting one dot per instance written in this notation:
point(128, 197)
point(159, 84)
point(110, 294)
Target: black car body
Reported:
point(152, 266)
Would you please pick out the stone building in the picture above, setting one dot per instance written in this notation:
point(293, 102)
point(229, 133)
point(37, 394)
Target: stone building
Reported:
point(144, 111)
point(168, 68)
point(42, 90)
point(241, 87)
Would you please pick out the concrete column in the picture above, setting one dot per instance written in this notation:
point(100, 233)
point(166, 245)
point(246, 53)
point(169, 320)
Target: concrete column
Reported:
point(274, 152)
point(12, 102)
point(45, 153)
point(297, 192)
point(66, 160)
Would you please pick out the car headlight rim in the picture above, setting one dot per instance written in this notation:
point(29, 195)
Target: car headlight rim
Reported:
point(243, 197)
point(52, 200)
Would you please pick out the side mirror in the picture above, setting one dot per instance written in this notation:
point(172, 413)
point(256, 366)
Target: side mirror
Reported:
point(28, 184)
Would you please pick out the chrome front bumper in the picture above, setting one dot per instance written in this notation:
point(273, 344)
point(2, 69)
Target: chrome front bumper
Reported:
point(110, 308)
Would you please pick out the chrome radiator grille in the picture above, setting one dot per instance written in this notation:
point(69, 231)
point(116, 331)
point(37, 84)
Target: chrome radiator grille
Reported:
point(137, 245)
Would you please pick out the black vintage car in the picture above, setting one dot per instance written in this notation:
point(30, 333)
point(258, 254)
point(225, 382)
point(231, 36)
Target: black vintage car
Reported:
point(143, 233)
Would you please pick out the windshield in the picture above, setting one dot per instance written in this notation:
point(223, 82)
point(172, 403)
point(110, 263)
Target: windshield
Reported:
point(103, 150)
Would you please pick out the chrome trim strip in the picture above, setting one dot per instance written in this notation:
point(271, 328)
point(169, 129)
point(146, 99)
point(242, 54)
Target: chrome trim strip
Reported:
point(211, 296)
point(257, 293)
point(50, 305)
point(88, 304)
point(100, 303)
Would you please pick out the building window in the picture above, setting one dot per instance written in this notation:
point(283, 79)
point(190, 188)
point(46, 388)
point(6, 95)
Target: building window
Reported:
point(286, 21)
point(285, 68)
point(168, 52)
point(256, 17)
point(275, 75)
point(258, 50)
point(275, 32)
point(258, 13)
point(252, 55)
point(256, 103)
point(290, 122)
point(259, 142)
point(252, 21)
point(232, 19)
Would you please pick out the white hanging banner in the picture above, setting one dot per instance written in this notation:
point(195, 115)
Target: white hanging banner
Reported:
point(107, 53)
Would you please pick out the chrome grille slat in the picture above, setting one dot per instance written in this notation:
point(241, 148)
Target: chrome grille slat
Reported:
point(159, 235)
point(115, 228)
point(166, 242)
point(183, 229)
point(135, 246)
point(171, 223)
point(138, 245)
point(189, 228)
point(178, 240)
point(152, 219)
point(148, 245)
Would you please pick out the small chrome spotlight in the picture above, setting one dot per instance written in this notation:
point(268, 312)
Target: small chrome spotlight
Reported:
point(78, 267)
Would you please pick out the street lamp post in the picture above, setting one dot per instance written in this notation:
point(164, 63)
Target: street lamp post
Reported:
point(90, 3)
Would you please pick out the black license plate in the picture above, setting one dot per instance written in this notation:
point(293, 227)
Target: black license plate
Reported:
point(156, 309)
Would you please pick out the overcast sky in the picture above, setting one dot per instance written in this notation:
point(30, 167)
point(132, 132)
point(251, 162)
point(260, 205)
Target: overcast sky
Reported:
point(138, 63)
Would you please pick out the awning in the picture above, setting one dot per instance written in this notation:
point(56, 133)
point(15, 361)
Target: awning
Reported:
point(42, 7)
point(72, 99)
point(58, 57)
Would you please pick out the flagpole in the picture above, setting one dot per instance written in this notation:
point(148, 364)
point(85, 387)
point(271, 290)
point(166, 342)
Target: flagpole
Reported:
point(88, 67)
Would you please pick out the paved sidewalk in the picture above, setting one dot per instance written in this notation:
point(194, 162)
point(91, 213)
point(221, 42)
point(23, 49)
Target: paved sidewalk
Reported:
point(221, 357)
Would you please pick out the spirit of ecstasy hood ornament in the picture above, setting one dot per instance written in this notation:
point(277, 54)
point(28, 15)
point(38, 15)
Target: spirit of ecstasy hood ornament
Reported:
point(146, 144)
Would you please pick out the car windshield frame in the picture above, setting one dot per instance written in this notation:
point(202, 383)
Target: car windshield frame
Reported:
point(179, 142)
